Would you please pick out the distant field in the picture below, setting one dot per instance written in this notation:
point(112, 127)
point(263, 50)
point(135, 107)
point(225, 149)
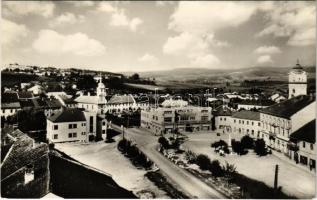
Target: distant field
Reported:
point(145, 87)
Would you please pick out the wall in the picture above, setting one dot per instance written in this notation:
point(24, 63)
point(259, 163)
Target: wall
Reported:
point(303, 117)
point(221, 121)
point(63, 131)
point(246, 127)
point(77, 180)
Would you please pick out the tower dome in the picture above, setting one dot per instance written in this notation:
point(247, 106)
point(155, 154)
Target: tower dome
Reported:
point(297, 81)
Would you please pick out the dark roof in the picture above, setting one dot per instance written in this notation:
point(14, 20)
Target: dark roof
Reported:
point(26, 103)
point(68, 115)
point(306, 133)
point(289, 107)
point(298, 66)
point(256, 102)
point(10, 105)
point(25, 95)
point(247, 114)
point(9, 97)
point(222, 111)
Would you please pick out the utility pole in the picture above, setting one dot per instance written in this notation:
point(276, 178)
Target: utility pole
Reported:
point(276, 180)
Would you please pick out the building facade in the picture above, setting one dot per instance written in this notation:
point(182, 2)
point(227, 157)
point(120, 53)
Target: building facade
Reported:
point(246, 122)
point(186, 119)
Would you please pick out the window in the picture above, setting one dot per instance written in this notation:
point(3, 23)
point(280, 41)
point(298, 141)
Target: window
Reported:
point(242, 121)
point(239, 121)
point(103, 131)
point(103, 123)
point(55, 127)
point(55, 136)
point(91, 124)
point(247, 122)
point(83, 124)
point(293, 90)
point(83, 133)
point(224, 119)
point(11, 110)
point(311, 146)
point(234, 121)
point(167, 119)
point(304, 144)
point(74, 125)
point(70, 126)
point(70, 135)
point(252, 123)
point(220, 119)
point(204, 118)
point(204, 111)
point(74, 134)
point(259, 124)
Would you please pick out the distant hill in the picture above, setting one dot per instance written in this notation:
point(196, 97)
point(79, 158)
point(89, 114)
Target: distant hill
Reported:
point(218, 75)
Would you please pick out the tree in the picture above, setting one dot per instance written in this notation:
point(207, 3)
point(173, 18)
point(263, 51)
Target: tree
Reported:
point(135, 76)
point(247, 142)
point(215, 168)
point(220, 143)
point(259, 147)
point(164, 142)
point(229, 171)
point(203, 162)
point(238, 148)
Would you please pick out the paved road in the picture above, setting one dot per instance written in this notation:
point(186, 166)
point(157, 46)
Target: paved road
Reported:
point(184, 180)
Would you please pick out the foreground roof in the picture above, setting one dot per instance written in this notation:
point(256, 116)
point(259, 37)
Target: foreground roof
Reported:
point(222, 111)
point(289, 107)
point(247, 114)
point(68, 115)
point(306, 133)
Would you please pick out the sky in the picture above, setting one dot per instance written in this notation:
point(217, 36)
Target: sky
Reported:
point(148, 36)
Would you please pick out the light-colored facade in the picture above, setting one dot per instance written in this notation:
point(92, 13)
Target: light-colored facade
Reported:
point(297, 82)
point(162, 120)
point(250, 106)
point(67, 131)
point(246, 123)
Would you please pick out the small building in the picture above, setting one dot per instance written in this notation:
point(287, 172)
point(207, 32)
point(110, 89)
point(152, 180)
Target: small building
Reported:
point(9, 104)
point(223, 120)
point(302, 145)
point(36, 89)
point(277, 97)
point(120, 103)
point(246, 122)
point(68, 125)
point(254, 104)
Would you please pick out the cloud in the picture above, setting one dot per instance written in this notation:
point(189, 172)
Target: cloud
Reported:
point(65, 19)
point(21, 8)
point(164, 3)
point(296, 20)
point(106, 7)
point(119, 18)
point(267, 50)
point(264, 59)
point(208, 17)
point(12, 32)
point(51, 42)
point(148, 59)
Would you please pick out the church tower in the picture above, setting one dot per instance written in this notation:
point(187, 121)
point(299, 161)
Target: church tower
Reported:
point(297, 81)
point(101, 92)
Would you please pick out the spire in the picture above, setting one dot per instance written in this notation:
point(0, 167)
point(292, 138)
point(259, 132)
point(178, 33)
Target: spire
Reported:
point(298, 66)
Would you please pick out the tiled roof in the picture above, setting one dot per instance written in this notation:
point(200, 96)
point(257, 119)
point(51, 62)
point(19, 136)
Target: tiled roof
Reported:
point(306, 133)
point(68, 115)
point(53, 103)
point(87, 99)
point(222, 111)
point(121, 99)
point(247, 114)
point(289, 107)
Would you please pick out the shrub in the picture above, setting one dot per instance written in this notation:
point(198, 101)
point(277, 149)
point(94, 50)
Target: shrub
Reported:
point(219, 143)
point(190, 157)
point(133, 151)
point(203, 162)
point(259, 147)
point(164, 142)
point(247, 142)
point(215, 168)
point(238, 148)
point(123, 145)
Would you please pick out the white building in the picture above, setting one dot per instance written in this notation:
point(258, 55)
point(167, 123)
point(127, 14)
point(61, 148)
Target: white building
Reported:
point(120, 103)
point(9, 104)
point(297, 81)
point(94, 103)
point(302, 145)
point(246, 122)
point(36, 89)
point(223, 119)
point(281, 120)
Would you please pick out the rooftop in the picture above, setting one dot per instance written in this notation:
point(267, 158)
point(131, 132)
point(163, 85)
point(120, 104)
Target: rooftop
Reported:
point(68, 115)
point(9, 97)
point(121, 99)
point(306, 133)
point(87, 99)
point(222, 111)
point(247, 114)
point(289, 107)
point(25, 95)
